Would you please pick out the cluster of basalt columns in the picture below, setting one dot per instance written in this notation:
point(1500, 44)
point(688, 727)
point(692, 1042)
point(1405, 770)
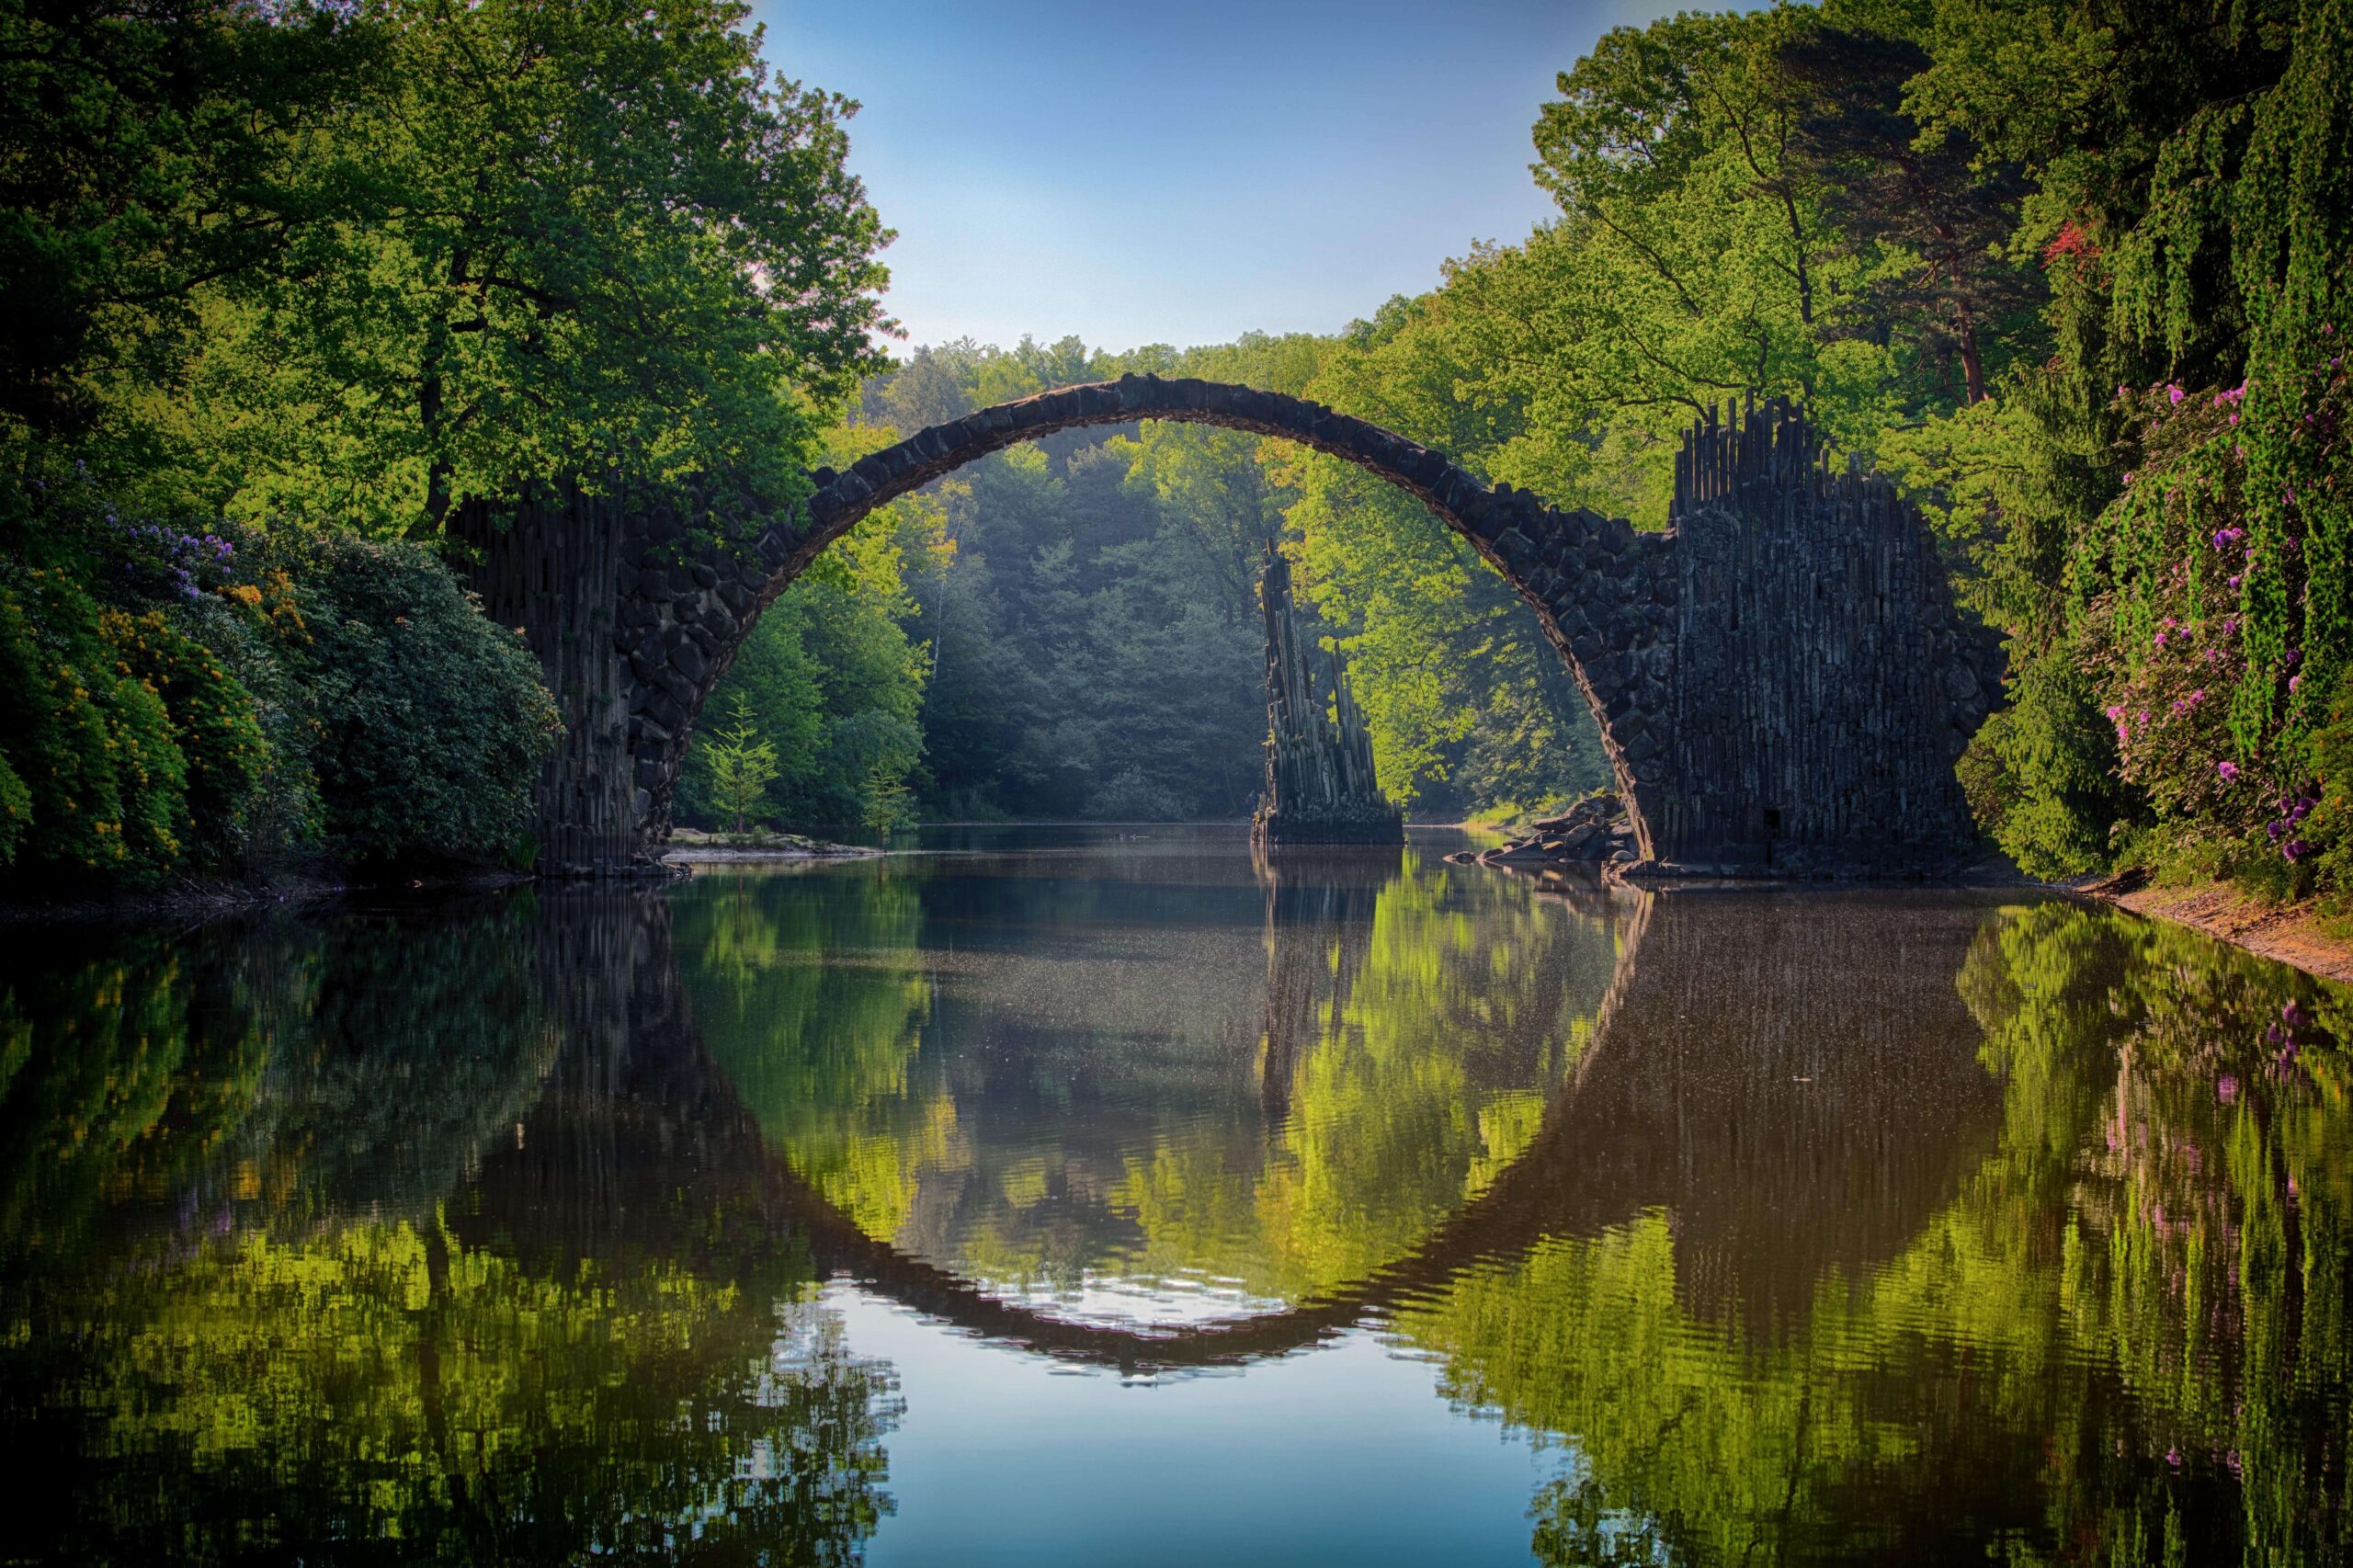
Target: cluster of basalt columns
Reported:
point(1320, 786)
point(1703, 651)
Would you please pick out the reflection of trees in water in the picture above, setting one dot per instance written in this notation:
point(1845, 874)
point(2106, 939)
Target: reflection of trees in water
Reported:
point(1808, 1283)
point(403, 1047)
point(1046, 1079)
point(2119, 1333)
point(810, 992)
point(380, 1385)
point(1411, 1048)
point(283, 1070)
point(325, 1353)
point(121, 1070)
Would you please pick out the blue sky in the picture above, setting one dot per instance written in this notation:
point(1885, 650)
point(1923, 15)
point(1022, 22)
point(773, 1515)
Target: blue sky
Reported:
point(1184, 171)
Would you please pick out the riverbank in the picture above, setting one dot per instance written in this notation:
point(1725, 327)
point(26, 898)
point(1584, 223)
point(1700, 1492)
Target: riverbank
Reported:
point(691, 848)
point(2295, 934)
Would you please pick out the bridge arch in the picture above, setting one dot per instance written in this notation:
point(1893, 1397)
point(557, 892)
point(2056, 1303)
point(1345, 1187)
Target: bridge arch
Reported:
point(1782, 679)
point(1597, 587)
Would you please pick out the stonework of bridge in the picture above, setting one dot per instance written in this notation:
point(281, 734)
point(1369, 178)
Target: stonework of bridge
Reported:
point(1782, 679)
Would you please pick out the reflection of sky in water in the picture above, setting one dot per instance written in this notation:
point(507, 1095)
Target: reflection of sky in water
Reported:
point(1147, 1301)
point(1342, 1456)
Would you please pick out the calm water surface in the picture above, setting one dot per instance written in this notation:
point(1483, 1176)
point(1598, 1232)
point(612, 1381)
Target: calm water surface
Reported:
point(1080, 1197)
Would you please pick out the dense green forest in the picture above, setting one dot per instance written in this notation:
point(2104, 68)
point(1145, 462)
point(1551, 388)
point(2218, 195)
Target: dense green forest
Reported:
point(288, 284)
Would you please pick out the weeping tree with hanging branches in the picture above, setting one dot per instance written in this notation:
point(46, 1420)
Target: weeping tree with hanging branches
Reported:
point(2173, 563)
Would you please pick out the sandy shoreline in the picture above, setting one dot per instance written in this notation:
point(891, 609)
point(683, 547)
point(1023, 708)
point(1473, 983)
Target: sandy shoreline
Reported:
point(2289, 933)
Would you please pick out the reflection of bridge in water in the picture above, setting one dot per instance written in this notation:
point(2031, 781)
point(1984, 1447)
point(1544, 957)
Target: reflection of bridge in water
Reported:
point(1784, 1076)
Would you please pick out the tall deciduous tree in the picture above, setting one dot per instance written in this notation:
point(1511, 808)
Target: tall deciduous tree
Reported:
point(146, 152)
point(600, 237)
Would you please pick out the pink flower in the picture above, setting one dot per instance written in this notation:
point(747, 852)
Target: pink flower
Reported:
point(2227, 771)
point(2295, 681)
point(2226, 1089)
point(2173, 393)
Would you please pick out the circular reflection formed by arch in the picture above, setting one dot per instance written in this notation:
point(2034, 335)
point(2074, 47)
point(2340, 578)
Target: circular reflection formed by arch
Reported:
point(1053, 1086)
point(1743, 1068)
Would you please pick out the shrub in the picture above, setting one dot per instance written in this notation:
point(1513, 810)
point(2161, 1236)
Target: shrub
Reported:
point(99, 784)
point(2041, 773)
point(256, 634)
point(15, 811)
point(213, 721)
point(432, 720)
point(2330, 825)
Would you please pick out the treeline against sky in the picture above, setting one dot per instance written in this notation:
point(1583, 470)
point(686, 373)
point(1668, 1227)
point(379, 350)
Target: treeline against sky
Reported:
point(294, 277)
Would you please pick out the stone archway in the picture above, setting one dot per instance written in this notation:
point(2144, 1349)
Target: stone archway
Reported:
point(1781, 679)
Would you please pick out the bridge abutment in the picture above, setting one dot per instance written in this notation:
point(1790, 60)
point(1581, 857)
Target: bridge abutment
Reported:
point(1824, 681)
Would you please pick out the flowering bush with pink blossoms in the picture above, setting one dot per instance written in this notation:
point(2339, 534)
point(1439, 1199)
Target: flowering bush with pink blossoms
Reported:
point(2215, 728)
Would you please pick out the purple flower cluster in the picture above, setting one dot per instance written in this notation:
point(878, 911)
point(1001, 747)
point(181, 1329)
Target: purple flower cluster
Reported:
point(2281, 830)
point(2283, 1033)
point(174, 560)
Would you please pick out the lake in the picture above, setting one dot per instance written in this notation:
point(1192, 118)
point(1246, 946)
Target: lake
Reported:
point(1112, 1196)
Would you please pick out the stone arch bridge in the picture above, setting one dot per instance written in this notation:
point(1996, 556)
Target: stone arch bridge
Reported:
point(1782, 679)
